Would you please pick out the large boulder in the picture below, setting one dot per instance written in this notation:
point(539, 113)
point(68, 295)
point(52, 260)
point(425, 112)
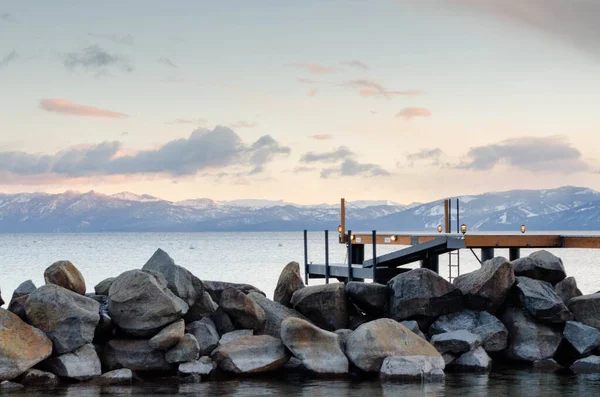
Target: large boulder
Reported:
point(490, 329)
point(290, 281)
point(528, 340)
point(567, 289)
point(216, 288)
point(251, 354)
point(24, 289)
point(412, 368)
point(169, 336)
point(243, 310)
point(82, 364)
point(66, 317)
point(586, 309)
point(541, 265)
point(371, 298)
point(583, 338)
point(325, 305)
point(455, 342)
point(275, 313)
point(222, 321)
point(19, 296)
point(487, 287)
point(66, 275)
point(103, 286)
point(413, 326)
point(475, 360)
point(186, 350)
point(372, 342)
point(141, 304)
point(21, 346)
point(204, 307)
point(136, 354)
point(422, 294)
point(122, 376)
point(35, 377)
point(587, 365)
point(541, 301)
point(319, 350)
point(206, 335)
point(202, 366)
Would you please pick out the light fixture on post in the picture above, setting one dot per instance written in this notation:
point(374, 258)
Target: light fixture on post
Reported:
point(352, 237)
point(439, 228)
point(340, 229)
point(523, 229)
point(463, 228)
point(393, 238)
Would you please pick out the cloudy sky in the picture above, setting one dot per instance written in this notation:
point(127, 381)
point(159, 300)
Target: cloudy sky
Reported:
point(306, 101)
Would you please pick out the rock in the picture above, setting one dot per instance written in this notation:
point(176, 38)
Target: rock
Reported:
point(528, 340)
point(135, 354)
point(421, 293)
point(251, 354)
point(179, 280)
point(82, 364)
point(216, 288)
point(122, 376)
point(486, 288)
point(206, 335)
point(186, 350)
point(275, 313)
point(456, 342)
point(24, 289)
point(35, 377)
point(21, 346)
point(541, 265)
point(103, 286)
point(222, 321)
point(466, 319)
point(235, 335)
point(290, 281)
point(548, 364)
point(17, 306)
point(294, 365)
point(140, 303)
point(567, 289)
point(586, 309)
point(204, 307)
point(356, 321)
point(586, 365)
point(372, 342)
point(325, 305)
point(105, 330)
point(491, 330)
point(169, 336)
point(7, 386)
point(583, 338)
point(243, 310)
point(66, 317)
point(476, 360)
point(202, 366)
point(320, 351)
point(371, 298)
point(449, 358)
point(412, 368)
point(541, 301)
point(343, 334)
point(66, 275)
point(413, 326)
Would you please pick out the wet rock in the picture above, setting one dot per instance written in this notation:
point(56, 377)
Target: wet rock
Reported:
point(186, 350)
point(66, 317)
point(548, 364)
point(421, 293)
point(21, 346)
point(35, 377)
point(412, 368)
point(204, 307)
point(243, 310)
point(222, 321)
point(583, 338)
point(103, 286)
point(448, 358)
point(476, 360)
point(169, 337)
point(486, 288)
point(541, 301)
point(325, 305)
point(586, 309)
point(206, 335)
point(235, 335)
point(275, 313)
point(202, 366)
point(456, 342)
point(66, 275)
point(541, 265)
point(372, 342)
point(290, 281)
point(82, 364)
point(251, 354)
point(7, 386)
point(529, 340)
point(587, 365)
point(294, 365)
point(567, 289)
point(216, 288)
point(122, 376)
point(413, 326)
point(371, 298)
point(319, 350)
point(135, 354)
point(140, 303)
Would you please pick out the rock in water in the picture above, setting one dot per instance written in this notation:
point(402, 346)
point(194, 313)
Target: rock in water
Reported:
point(567, 289)
point(66, 275)
point(235, 335)
point(421, 293)
point(186, 350)
point(205, 333)
point(179, 280)
point(137, 355)
point(21, 346)
point(487, 287)
point(140, 303)
point(319, 350)
point(582, 337)
point(35, 377)
point(587, 365)
point(541, 265)
point(455, 342)
point(275, 313)
point(251, 354)
point(242, 309)
point(528, 340)
point(586, 309)
point(412, 368)
point(204, 307)
point(103, 286)
point(371, 298)
point(372, 342)
point(290, 281)
point(82, 364)
point(474, 361)
point(169, 337)
point(541, 301)
point(325, 305)
point(7, 386)
point(117, 377)
point(202, 366)
point(68, 318)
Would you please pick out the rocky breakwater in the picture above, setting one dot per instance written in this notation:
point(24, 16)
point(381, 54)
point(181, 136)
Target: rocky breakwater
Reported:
point(161, 321)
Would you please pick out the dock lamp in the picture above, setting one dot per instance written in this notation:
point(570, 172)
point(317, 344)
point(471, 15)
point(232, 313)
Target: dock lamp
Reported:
point(463, 228)
point(439, 228)
point(523, 229)
point(340, 229)
point(393, 238)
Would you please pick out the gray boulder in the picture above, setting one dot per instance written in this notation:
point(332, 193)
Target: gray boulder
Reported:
point(548, 364)
point(202, 366)
point(325, 305)
point(140, 303)
point(567, 289)
point(186, 350)
point(456, 342)
point(235, 335)
point(275, 313)
point(7, 386)
point(135, 354)
point(583, 338)
point(252, 354)
point(24, 289)
point(290, 281)
point(412, 368)
point(586, 309)
point(206, 335)
point(66, 317)
point(541, 301)
point(169, 336)
point(66, 275)
point(103, 286)
point(422, 293)
point(243, 310)
point(122, 376)
point(541, 265)
point(222, 321)
point(35, 377)
point(371, 298)
point(19, 296)
point(476, 360)
point(216, 288)
point(487, 287)
point(489, 328)
point(587, 365)
point(82, 364)
point(466, 319)
point(204, 307)
point(320, 351)
point(413, 326)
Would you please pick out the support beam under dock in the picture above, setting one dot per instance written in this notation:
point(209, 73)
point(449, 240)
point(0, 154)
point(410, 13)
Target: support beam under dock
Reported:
point(487, 254)
point(514, 253)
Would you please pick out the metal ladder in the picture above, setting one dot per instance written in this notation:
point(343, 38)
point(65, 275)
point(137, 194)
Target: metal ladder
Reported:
point(453, 265)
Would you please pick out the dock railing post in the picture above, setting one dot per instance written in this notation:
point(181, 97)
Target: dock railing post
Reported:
point(326, 256)
point(306, 257)
point(349, 242)
point(374, 256)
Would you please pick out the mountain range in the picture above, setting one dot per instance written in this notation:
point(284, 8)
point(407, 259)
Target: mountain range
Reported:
point(565, 208)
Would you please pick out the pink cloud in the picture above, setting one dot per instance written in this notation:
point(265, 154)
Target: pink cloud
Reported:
point(321, 137)
point(64, 106)
point(369, 88)
point(313, 92)
point(411, 113)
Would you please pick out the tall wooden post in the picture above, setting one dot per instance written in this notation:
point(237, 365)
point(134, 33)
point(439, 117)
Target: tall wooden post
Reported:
point(343, 220)
point(447, 216)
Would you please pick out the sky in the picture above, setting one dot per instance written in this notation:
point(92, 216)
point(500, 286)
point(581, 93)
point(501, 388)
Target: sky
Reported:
point(304, 101)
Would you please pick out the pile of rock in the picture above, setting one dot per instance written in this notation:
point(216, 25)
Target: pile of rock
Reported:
point(163, 319)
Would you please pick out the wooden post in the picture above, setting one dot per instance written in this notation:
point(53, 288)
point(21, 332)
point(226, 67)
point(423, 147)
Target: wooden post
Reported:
point(514, 253)
point(349, 256)
point(447, 215)
point(343, 220)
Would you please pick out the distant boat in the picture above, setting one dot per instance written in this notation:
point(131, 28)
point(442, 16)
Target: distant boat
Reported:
point(281, 245)
point(192, 247)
